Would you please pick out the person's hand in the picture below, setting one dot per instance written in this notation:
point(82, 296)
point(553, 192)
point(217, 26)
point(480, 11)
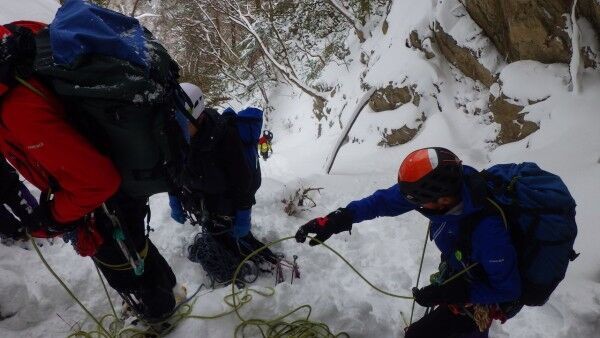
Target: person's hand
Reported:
point(41, 224)
point(454, 292)
point(428, 296)
point(323, 227)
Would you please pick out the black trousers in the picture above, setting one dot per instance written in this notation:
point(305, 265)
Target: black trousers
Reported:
point(442, 323)
point(9, 224)
point(154, 288)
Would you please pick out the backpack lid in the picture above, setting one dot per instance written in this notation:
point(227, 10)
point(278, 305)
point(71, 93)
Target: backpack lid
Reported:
point(229, 112)
point(249, 122)
point(251, 113)
point(81, 28)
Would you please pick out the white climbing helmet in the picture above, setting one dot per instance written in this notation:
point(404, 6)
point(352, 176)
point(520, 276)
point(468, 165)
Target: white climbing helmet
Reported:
point(196, 96)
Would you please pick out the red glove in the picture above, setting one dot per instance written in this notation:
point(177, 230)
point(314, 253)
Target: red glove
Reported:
point(336, 222)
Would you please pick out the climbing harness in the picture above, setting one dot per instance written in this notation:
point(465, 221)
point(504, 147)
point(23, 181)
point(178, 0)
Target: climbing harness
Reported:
point(193, 206)
point(124, 266)
point(124, 242)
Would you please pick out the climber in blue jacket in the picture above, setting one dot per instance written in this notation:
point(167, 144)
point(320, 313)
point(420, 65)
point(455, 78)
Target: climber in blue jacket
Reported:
point(434, 182)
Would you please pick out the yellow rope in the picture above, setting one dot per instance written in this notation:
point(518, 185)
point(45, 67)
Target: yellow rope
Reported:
point(501, 212)
point(105, 333)
point(30, 87)
point(271, 328)
point(481, 316)
point(412, 310)
point(124, 266)
point(279, 327)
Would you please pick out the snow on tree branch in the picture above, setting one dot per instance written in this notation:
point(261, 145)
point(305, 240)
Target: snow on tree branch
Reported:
point(576, 51)
point(360, 105)
point(358, 27)
point(243, 22)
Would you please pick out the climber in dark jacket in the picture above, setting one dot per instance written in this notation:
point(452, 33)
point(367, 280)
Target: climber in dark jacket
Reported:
point(216, 179)
point(433, 182)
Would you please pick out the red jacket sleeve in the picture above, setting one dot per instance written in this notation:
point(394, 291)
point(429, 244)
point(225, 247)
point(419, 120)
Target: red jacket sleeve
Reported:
point(85, 177)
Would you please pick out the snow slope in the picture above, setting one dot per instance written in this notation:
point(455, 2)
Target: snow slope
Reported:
point(386, 250)
point(36, 10)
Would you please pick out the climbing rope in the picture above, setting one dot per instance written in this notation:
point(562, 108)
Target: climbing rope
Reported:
point(218, 262)
point(412, 310)
point(271, 328)
point(279, 327)
point(481, 316)
point(105, 289)
point(37, 250)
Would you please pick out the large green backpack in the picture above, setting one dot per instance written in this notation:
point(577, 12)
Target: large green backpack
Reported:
point(126, 109)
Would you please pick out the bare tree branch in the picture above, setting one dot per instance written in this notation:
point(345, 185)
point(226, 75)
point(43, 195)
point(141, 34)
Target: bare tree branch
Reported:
point(243, 22)
point(280, 40)
point(135, 4)
point(358, 27)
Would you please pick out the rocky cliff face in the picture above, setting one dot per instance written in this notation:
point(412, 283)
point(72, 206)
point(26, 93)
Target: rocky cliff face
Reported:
point(482, 37)
point(525, 29)
point(590, 9)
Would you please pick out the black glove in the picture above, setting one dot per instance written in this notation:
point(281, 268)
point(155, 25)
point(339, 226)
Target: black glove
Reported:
point(17, 53)
point(41, 224)
point(454, 292)
point(336, 222)
point(191, 203)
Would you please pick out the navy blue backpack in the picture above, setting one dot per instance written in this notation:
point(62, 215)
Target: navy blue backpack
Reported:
point(249, 124)
point(539, 212)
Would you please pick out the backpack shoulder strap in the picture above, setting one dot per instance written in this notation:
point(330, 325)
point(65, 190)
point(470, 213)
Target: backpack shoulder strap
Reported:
point(481, 196)
point(219, 123)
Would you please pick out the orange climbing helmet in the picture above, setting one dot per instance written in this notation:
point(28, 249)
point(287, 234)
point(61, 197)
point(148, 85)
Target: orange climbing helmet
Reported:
point(430, 173)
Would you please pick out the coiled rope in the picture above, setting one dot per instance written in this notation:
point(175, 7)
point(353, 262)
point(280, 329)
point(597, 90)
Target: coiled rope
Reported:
point(280, 326)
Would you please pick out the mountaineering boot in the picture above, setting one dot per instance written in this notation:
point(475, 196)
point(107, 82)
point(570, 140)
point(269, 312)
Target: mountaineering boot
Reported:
point(249, 244)
point(219, 256)
point(168, 323)
point(157, 327)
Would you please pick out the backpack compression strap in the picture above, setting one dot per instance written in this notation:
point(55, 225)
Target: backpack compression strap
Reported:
point(480, 195)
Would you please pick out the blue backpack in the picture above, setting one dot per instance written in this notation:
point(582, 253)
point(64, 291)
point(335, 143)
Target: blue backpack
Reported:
point(539, 212)
point(249, 124)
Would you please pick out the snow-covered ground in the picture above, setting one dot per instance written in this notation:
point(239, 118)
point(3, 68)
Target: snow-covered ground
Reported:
point(386, 250)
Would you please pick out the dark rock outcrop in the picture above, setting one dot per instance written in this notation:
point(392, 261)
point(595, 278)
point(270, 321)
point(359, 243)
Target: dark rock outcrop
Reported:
point(390, 98)
point(525, 29)
point(462, 58)
point(513, 126)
